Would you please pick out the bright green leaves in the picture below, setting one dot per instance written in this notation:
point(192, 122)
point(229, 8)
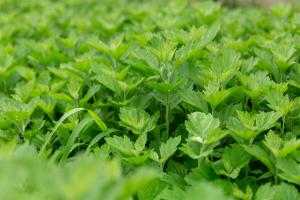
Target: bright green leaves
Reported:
point(281, 147)
point(201, 124)
point(233, 159)
point(163, 50)
point(205, 134)
point(116, 47)
point(224, 67)
point(166, 150)
point(47, 103)
point(284, 151)
point(194, 99)
point(16, 112)
point(72, 180)
point(73, 87)
point(114, 80)
point(247, 125)
point(289, 170)
point(201, 93)
point(294, 74)
point(279, 102)
point(137, 120)
point(255, 84)
point(71, 112)
point(140, 123)
point(277, 192)
point(198, 38)
point(214, 95)
point(278, 57)
point(140, 143)
point(122, 144)
point(204, 128)
point(208, 191)
point(261, 155)
point(283, 54)
point(131, 152)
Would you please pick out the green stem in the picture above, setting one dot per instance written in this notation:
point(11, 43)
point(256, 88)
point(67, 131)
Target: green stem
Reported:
point(212, 110)
point(114, 63)
point(168, 103)
point(246, 102)
point(283, 125)
point(276, 172)
point(201, 160)
point(276, 177)
point(167, 117)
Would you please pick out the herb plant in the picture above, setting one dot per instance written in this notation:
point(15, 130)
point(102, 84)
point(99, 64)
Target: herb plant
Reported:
point(128, 99)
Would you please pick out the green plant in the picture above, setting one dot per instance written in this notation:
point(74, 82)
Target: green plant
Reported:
point(128, 99)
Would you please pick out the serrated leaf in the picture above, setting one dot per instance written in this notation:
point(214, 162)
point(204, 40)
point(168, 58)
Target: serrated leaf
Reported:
point(136, 120)
point(279, 102)
point(140, 143)
point(167, 149)
point(261, 155)
point(201, 125)
point(214, 95)
point(280, 147)
point(122, 144)
point(248, 125)
point(265, 192)
point(195, 99)
point(229, 165)
point(289, 170)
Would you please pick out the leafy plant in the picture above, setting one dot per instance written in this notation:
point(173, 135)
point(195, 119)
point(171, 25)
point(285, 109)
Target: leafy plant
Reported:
point(128, 99)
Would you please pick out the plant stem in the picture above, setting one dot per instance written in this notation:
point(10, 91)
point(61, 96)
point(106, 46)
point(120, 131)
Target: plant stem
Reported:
point(201, 160)
point(276, 176)
point(283, 125)
point(167, 117)
point(212, 110)
point(168, 103)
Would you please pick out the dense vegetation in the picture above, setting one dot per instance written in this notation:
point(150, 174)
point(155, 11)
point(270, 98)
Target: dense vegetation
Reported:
point(124, 99)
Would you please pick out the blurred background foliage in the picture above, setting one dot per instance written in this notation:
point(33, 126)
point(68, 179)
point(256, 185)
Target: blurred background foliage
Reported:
point(256, 2)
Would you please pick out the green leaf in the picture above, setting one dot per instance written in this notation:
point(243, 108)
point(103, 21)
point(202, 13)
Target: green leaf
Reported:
point(214, 95)
point(99, 137)
point(265, 192)
point(108, 77)
point(208, 191)
point(199, 174)
point(140, 143)
point(277, 192)
point(201, 125)
point(60, 121)
point(167, 149)
point(195, 99)
point(229, 165)
point(261, 155)
point(255, 84)
point(136, 120)
point(98, 120)
point(223, 68)
point(152, 190)
point(273, 142)
point(122, 144)
point(279, 147)
point(139, 180)
point(279, 102)
point(47, 104)
point(67, 149)
point(247, 126)
point(289, 170)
